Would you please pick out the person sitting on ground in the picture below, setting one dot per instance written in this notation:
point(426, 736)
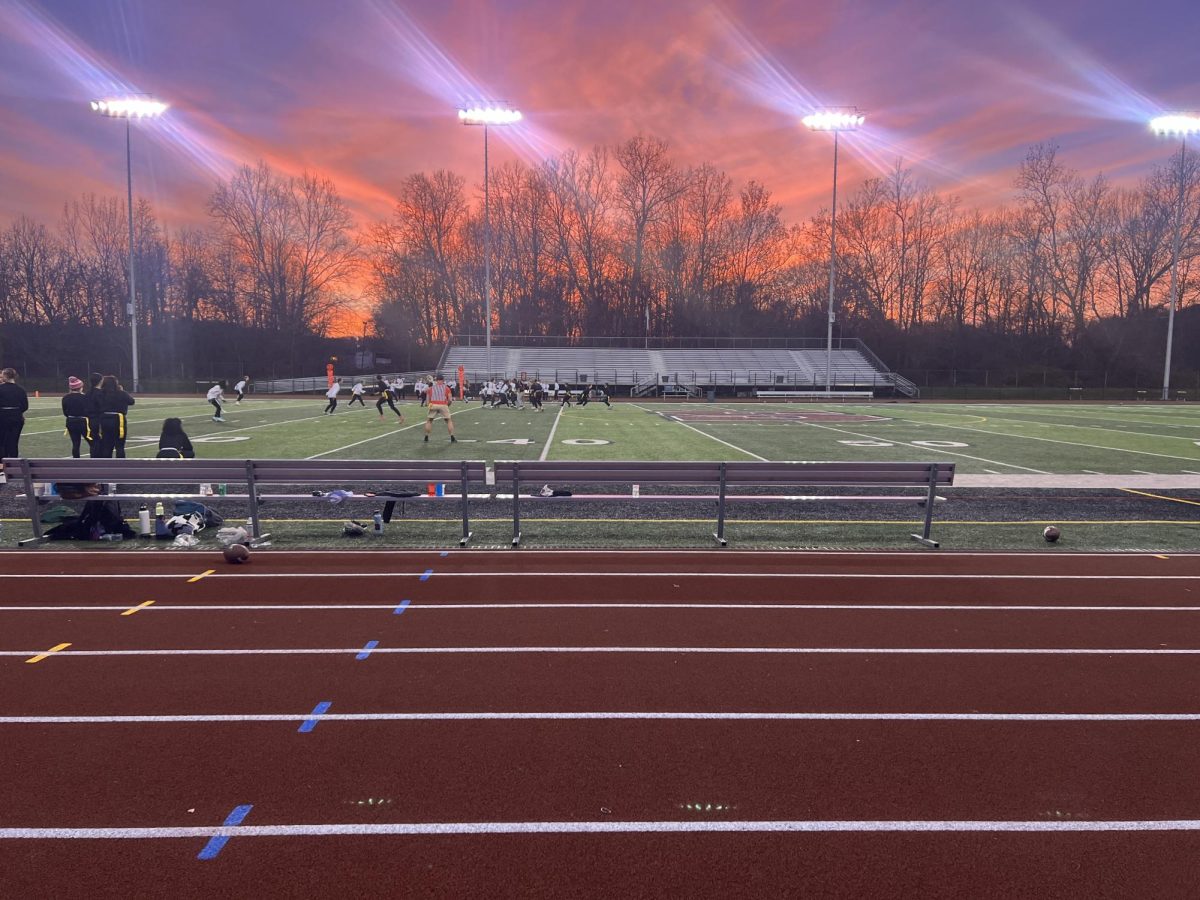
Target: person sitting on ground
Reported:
point(173, 443)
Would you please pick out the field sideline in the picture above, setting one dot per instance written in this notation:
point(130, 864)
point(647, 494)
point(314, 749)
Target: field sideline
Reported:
point(986, 439)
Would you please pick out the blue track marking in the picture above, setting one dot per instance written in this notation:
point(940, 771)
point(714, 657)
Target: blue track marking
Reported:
point(444, 554)
point(366, 651)
point(315, 716)
point(217, 841)
point(426, 576)
point(401, 608)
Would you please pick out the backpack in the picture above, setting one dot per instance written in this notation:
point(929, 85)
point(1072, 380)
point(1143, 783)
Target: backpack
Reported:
point(212, 519)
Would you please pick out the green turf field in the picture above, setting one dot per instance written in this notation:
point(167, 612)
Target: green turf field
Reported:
point(980, 438)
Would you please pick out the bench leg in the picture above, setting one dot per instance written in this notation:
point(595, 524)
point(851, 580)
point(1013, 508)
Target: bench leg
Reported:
point(35, 519)
point(930, 499)
point(928, 542)
point(516, 489)
point(719, 534)
point(466, 531)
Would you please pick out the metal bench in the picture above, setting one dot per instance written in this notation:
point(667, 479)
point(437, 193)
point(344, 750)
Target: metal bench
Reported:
point(928, 476)
point(250, 472)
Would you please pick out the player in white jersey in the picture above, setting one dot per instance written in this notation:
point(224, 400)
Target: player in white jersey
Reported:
point(216, 394)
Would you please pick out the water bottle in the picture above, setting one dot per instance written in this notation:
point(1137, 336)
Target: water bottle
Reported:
point(378, 517)
point(223, 488)
point(112, 537)
point(158, 510)
point(144, 521)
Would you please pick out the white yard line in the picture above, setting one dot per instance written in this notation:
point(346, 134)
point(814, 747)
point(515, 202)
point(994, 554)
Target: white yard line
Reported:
point(418, 424)
point(550, 438)
point(704, 433)
point(892, 440)
point(1030, 437)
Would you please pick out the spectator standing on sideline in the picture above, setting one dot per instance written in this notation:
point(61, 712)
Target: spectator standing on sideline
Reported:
point(332, 395)
point(93, 404)
point(439, 405)
point(400, 388)
point(173, 443)
point(114, 422)
point(13, 404)
point(422, 389)
point(75, 408)
point(240, 387)
point(216, 394)
point(357, 391)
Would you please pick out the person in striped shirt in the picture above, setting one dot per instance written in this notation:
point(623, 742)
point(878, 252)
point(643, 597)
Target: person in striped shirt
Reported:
point(438, 403)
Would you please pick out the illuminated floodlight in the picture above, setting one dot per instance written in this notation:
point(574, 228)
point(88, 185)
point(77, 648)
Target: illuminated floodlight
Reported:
point(489, 115)
point(834, 120)
point(130, 108)
point(1176, 124)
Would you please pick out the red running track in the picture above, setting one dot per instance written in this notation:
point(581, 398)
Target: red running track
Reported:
point(600, 724)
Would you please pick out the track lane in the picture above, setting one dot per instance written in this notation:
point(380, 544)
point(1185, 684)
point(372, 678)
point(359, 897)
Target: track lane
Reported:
point(661, 682)
point(573, 771)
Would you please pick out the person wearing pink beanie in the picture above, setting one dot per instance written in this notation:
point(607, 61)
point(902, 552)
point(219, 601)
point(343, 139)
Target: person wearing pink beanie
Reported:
point(75, 408)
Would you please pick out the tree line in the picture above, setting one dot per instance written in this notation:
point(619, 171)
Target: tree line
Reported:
point(624, 240)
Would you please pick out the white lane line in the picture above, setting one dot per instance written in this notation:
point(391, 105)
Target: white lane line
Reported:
point(705, 434)
point(794, 651)
point(576, 573)
point(699, 716)
point(322, 607)
point(633, 827)
point(550, 438)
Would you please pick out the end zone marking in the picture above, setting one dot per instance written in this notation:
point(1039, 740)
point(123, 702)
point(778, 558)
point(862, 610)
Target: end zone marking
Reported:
point(203, 574)
point(366, 651)
point(315, 716)
point(217, 841)
point(55, 649)
point(133, 609)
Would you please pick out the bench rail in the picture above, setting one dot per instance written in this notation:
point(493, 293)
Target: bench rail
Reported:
point(250, 472)
point(926, 475)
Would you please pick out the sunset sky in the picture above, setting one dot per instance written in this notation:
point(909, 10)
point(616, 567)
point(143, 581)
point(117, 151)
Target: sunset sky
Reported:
point(365, 91)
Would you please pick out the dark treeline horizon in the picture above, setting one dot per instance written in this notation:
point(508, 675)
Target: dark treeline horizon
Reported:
point(1071, 272)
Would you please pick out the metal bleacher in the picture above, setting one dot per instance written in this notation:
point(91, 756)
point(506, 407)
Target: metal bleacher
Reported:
point(657, 370)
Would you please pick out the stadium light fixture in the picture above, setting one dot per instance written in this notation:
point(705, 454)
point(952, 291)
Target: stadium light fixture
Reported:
point(129, 108)
point(1178, 125)
point(835, 120)
point(488, 114)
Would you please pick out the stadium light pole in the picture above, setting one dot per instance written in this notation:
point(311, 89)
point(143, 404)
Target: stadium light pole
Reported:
point(485, 115)
point(835, 120)
point(129, 108)
point(1180, 125)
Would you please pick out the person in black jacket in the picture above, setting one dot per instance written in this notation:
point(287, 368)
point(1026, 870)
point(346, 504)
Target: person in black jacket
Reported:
point(93, 413)
point(114, 406)
point(75, 408)
point(386, 396)
point(173, 443)
point(13, 404)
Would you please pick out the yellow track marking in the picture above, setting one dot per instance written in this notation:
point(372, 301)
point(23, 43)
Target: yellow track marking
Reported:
point(41, 656)
point(203, 574)
point(132, 610)
point(1161, 497)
